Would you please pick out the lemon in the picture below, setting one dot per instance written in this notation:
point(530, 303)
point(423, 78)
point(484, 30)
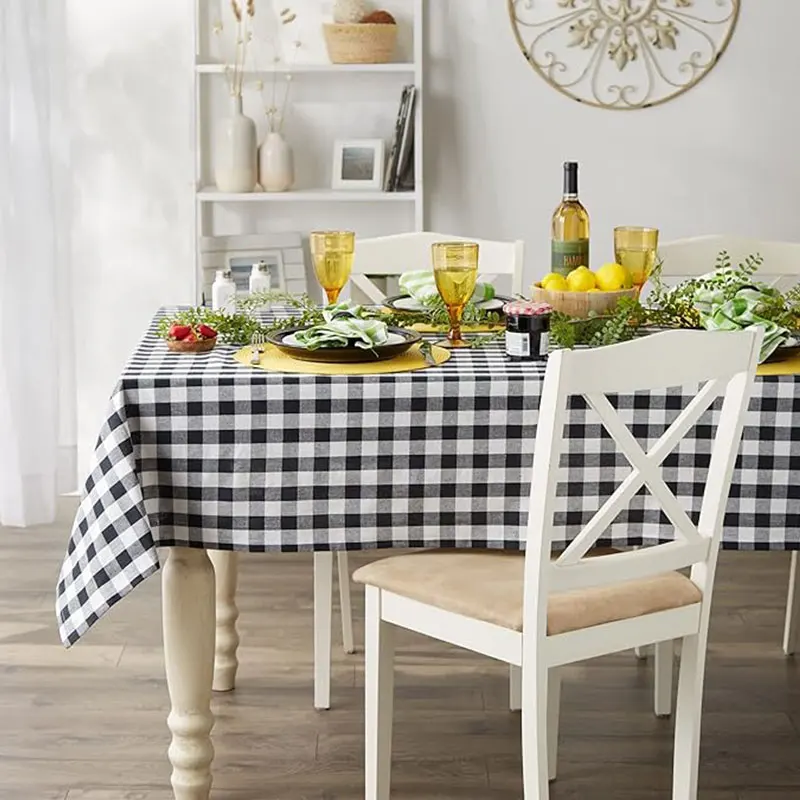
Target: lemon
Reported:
point(613, 278)
point(555, 283)
point(547, 278)
point(581, 280)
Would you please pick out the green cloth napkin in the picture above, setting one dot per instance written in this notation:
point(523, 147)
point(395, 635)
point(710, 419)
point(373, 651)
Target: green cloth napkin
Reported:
point(739, 313)
point(342, 327)
point(421, 285)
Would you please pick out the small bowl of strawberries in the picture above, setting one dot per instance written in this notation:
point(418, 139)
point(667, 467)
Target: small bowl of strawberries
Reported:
point(186, 338)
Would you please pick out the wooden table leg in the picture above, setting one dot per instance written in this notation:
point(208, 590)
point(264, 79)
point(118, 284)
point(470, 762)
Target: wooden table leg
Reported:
point(226, 662)
point(792, 622)
point(188, 619)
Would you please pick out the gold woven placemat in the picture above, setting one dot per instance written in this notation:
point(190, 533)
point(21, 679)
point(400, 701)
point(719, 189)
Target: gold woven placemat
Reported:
point(424, 327)
point(789, 367)
point(273, 360)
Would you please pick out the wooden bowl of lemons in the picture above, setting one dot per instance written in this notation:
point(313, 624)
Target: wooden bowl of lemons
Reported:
point(584, 293)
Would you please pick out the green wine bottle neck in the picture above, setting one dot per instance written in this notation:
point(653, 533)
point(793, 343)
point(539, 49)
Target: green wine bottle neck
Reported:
point(570, 180)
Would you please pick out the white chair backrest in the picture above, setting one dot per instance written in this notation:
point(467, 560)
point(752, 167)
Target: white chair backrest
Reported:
point(722, 363)
point(685, 258)
point(388, 257)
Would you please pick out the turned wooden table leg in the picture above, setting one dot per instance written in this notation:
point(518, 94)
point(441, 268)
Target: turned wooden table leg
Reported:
point(226, 662)
point(188, 619)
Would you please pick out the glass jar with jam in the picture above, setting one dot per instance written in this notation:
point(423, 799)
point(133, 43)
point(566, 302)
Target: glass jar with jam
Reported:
point(527, 330)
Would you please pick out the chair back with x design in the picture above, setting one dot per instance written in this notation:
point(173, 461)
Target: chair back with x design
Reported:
point(721, 364)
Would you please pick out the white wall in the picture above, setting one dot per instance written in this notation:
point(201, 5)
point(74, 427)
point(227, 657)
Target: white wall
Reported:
point(722, 158)
point(132, 161)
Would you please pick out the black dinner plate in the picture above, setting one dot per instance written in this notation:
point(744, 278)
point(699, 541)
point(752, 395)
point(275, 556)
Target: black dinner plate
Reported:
point(408, 305)
point(400, 341)
point(784, 352)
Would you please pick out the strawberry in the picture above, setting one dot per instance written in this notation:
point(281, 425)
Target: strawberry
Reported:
point(206, 332)
point(179, 332)
point(190, 337)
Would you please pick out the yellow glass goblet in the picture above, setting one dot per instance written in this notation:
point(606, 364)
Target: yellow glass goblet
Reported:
point(332, 252)
point(636, 249)
point(455, 268)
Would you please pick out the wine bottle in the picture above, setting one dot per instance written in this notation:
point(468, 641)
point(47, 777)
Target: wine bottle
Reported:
point(570, 227)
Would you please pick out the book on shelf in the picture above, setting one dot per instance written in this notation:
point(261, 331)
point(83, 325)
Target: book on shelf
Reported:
point(402, 150)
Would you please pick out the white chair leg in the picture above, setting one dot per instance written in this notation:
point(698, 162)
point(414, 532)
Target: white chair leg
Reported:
point(188, 620)
point(378, 699)
point(226, 661)
point(514, 688)
point(553, 714)
point(344, 601)
point(790, 628)
point(535, 766)
point(662, 683)
point(688, 715)
point(323, 612)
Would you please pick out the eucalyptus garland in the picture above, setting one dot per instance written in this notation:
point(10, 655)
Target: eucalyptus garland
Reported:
point(676, 306)
point(239, 328)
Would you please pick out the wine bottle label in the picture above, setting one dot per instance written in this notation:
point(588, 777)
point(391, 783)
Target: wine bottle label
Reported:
point(567, 256)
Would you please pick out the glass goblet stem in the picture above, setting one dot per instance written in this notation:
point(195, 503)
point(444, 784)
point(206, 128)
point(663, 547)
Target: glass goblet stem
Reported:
point(333, 295)
point(454, 335)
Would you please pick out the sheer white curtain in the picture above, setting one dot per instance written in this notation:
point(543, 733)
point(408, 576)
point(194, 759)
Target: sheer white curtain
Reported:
point(36, 362)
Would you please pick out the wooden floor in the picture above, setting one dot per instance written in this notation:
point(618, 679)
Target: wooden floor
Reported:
point(89, 723)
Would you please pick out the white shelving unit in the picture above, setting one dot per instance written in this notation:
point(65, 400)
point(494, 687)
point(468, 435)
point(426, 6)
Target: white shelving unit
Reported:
point(403, 68)
point(209, 74)
point(210, 194)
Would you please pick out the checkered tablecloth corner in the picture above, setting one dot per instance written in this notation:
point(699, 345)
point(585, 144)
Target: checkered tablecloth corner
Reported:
point(200, 450)
point(111, 547)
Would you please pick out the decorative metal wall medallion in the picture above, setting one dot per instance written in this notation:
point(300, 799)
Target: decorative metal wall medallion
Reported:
point(623, 54)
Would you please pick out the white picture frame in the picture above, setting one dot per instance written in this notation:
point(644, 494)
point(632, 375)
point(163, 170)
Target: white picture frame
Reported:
point(358, 164)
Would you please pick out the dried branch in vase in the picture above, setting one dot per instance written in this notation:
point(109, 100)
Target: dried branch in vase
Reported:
point(243, 34)
point(276, 108)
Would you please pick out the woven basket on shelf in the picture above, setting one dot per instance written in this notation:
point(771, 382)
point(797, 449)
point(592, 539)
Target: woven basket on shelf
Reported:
point(360, 43)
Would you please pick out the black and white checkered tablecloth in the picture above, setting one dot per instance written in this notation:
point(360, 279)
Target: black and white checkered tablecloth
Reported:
point(199, 450)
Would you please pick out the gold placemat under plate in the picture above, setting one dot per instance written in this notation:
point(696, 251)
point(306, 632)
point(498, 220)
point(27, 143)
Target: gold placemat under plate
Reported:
point(424, 327)
point(273, 360)
point(789, 367)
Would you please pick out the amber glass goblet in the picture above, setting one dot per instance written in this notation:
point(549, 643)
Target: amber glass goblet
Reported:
point(332, 252)
point(636, 249)
point(455, 268)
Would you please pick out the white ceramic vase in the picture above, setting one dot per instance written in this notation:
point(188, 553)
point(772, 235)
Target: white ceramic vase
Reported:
point(235, 153)
point(275, 164)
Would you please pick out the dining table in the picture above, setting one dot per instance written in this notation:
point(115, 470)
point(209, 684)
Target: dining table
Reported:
point(201, 455)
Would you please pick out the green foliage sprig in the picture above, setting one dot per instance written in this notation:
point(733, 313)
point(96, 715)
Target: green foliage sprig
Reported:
point(674, 307)
point(619, 326)
point(307, 312)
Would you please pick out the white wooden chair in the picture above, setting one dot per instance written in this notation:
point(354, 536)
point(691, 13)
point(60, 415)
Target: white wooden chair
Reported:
point(685, 258)
point(538, 613)
point(379, 262)
point(385, 259)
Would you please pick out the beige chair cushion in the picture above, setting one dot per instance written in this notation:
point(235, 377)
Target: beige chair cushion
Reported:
point(487, 585)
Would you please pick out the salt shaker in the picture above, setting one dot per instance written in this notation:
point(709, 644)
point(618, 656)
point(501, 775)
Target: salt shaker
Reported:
point(260, 279)
point(223, 292)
